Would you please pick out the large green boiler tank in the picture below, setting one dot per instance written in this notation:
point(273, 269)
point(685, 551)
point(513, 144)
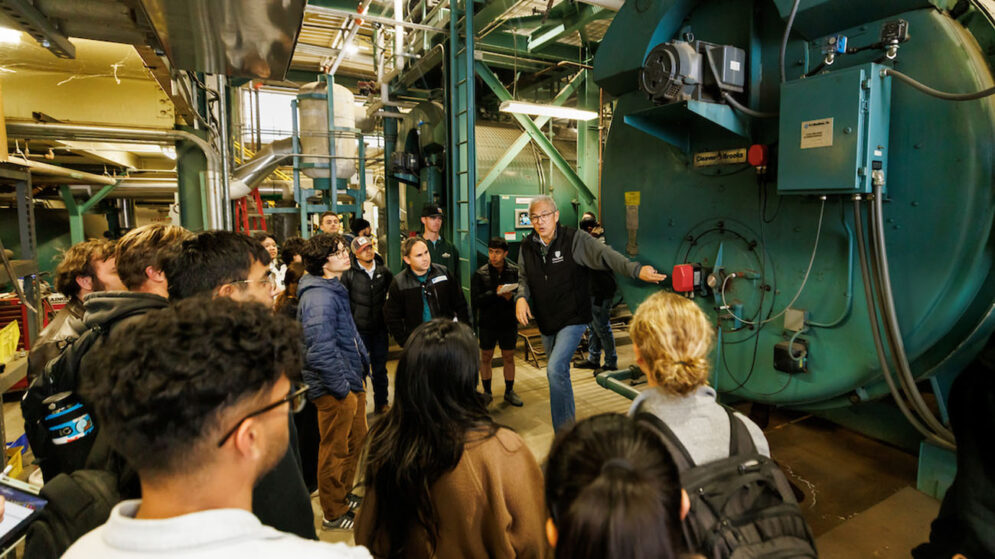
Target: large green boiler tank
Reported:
point(666, 205)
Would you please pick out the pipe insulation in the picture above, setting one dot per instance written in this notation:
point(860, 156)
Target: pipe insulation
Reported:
point(134, 135)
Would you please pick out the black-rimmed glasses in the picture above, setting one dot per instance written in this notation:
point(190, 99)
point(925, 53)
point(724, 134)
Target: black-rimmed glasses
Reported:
point(296, 398)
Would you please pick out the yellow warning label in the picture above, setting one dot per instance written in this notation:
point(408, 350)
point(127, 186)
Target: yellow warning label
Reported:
point(9, 335)
point(632, 198)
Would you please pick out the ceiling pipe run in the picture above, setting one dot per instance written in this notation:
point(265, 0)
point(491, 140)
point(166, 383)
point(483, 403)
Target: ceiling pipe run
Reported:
point(252, 173)
point(613, 5)
point(54, 170)
point(31, 130)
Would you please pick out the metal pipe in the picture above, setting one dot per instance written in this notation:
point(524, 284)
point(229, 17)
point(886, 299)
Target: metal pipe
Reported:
point(364, 5)
point(138, 135)
point(613, 5)
point(320, 10)
point(46, 169)
point(225, 194)
point(399, 35)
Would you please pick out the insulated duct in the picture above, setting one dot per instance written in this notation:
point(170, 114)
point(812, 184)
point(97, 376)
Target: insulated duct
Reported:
point(252, 173)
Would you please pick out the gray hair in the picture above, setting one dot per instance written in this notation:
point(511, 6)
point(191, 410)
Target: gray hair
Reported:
point(548, 200)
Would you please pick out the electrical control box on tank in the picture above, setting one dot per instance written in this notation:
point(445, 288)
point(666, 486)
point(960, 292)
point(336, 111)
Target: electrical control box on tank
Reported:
point(834, 132)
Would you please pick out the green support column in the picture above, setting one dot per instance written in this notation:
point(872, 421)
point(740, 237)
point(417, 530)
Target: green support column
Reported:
point(76, 211)
point(537, 136)
point(587, 137)
point(191, 167)
point(392, 197)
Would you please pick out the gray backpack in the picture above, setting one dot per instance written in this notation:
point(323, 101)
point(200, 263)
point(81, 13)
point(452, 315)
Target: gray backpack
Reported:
point(742, 507)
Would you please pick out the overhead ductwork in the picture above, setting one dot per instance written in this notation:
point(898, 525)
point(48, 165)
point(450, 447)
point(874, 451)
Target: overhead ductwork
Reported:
point(252, 173)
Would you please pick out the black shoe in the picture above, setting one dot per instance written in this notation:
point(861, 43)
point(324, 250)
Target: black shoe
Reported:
point(513, 399)
point(598, 371)
point(486, 398)
point(343, 523)
point(585, 365)
point(354, 501)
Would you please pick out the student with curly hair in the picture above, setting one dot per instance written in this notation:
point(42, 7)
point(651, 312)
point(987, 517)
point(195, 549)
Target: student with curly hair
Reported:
point(672, 340)
point(443, 479)
point(213, 379)
point(613, 492)
point(336, 363)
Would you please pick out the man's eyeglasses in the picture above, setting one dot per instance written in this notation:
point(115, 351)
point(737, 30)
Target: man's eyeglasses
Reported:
point(297, 399)
point(270, 280)
point(541, 218)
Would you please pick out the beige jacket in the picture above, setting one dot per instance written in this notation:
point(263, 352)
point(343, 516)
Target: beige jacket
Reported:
point(490, 506)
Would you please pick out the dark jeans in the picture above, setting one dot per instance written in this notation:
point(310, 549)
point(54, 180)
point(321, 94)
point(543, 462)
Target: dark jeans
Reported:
point(602, 336)
point(376, 345)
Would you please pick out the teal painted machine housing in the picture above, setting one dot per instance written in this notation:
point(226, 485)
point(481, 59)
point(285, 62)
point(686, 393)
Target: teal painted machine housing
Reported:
point(834, 132)
point(939, 210)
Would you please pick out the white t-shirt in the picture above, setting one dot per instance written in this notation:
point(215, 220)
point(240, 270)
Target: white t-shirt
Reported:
point(215, 534)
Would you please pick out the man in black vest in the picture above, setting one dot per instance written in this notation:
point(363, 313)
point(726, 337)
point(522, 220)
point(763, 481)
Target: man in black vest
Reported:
point(553, 269)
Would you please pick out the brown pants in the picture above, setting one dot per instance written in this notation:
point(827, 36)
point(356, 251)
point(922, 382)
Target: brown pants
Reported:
point(342, 424)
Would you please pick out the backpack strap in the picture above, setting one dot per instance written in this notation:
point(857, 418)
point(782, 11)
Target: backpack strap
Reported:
point(682, 458)
point(740, 440)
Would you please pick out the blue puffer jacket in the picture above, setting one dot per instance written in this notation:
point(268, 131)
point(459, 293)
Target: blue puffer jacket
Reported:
point(335, 359)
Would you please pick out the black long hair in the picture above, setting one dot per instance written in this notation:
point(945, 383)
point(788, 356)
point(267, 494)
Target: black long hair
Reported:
point(422, 436)
point(613, 492)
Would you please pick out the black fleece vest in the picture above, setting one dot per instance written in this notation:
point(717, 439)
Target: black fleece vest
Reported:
point(561, 294)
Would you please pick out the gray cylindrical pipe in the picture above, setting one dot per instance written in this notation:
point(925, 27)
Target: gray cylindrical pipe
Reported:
point(135, 135)
point(126, 213)
point(225, 198)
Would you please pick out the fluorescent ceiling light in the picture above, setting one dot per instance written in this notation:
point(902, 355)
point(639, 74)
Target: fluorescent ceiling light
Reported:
point(352, 48)
point(9, 35)
point(552, 111)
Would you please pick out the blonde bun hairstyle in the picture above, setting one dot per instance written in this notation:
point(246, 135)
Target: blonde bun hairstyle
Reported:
point(674, 338)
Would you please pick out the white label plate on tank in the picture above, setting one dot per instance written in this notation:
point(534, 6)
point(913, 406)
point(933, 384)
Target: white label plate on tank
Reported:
point(509, 236)
point(817, 133)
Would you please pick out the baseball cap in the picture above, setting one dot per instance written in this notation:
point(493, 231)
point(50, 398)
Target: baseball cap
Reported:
point(359, 243)
point(431, 210)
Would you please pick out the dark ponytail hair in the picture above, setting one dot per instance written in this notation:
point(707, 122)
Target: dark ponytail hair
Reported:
point(613, 492)
point(421, 438)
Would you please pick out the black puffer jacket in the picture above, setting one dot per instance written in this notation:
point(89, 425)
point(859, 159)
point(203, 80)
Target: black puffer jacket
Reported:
point(367, 296)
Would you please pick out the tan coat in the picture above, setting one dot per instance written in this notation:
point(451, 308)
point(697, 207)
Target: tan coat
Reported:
point(490, 506)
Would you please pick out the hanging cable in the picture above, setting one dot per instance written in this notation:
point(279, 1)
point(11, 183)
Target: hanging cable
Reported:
point(908, 80)
point(811, 260)
point(784, 40)
point(849, 276)
point(876, 336)
point(890, 317)
point(744, 109)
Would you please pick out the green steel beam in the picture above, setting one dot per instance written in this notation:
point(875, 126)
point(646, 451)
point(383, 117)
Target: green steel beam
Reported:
point(571, 24)
point(76, 211)
point(506, 43)
point(587, 134)
point(523, 140)
point(493, 11)
point(536, 134)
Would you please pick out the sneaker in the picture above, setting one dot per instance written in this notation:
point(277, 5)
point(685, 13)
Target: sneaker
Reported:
point(354, 501)
point(382, 409)
point(585, 365)
point(513, 399)
point(486, 398)
point(343, 523)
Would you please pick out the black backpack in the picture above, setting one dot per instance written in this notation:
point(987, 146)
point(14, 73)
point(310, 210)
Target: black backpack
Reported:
point(77, 503)
point(61, 374)
point(742, 507)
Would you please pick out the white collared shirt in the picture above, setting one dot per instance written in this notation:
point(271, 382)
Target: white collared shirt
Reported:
point(218, 534)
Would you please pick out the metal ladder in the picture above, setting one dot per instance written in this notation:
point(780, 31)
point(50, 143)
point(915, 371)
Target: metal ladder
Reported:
point(462, 148)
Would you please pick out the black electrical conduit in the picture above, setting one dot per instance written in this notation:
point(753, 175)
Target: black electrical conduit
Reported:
point(887, 302)
point(908, 80)
point(876, 335)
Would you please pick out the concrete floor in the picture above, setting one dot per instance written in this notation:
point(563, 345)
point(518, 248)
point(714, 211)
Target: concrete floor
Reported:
point(859, 494)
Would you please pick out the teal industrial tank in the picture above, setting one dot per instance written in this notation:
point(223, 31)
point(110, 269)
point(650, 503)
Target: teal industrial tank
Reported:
point(770, 204)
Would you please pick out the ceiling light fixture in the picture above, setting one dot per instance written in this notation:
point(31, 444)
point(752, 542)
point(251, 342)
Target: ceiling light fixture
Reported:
point(11, 36)
point(553, 111)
